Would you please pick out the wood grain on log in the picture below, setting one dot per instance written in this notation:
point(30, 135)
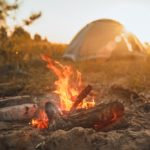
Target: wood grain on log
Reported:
point(18, 112)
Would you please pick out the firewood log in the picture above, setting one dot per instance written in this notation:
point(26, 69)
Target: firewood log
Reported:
point(80, 97)
point(97, 117)
point(15, 100)
point(18, 112)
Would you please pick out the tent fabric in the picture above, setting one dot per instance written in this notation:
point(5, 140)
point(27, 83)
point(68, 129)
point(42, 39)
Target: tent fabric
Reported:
point(102, 39)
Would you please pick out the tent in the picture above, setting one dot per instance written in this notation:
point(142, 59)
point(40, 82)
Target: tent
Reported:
point(103, 38)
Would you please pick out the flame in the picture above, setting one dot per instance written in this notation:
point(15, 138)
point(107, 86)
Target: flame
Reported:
point(40, 122)
point(87, 104)
point(68, 86)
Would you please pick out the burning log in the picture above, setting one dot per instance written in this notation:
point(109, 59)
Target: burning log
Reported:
point(52, 111)
point(80, 97)
point(97, 117)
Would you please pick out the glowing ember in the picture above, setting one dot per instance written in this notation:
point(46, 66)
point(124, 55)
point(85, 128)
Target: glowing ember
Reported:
point(87, 104)
point(42, 120)
point(114, 118)
point(68, 86)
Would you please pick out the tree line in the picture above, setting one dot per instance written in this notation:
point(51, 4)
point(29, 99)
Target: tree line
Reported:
point(19, 48)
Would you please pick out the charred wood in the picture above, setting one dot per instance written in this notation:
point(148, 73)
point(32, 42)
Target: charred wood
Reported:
point(98, 117)
point(80, 97)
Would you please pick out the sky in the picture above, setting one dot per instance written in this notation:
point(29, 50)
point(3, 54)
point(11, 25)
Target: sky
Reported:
point(62, 19)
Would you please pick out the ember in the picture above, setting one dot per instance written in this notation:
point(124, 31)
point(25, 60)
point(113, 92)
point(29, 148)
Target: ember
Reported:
point(42, 120)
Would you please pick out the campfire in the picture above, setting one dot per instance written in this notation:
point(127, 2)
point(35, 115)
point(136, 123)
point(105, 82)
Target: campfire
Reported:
point(76, 106)
point(75, 109)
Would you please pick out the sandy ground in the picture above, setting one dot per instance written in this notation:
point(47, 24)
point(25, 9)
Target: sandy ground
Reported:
point(134, 135)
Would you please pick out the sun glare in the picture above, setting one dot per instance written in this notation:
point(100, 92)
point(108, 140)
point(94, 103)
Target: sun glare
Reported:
point(134, 17)
point(63, 26)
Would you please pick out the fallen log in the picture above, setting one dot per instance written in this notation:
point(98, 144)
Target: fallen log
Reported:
point(97, 117)
point(18, 112)
point(15, 100)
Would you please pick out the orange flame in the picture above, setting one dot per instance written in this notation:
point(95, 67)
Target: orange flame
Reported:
point(41, 122)
point(68, 87)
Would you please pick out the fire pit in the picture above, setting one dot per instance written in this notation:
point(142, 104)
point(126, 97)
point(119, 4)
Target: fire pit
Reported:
point(74, 117)
point(74, 108)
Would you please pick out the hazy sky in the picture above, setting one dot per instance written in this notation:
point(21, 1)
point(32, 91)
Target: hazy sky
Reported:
point(62, 19)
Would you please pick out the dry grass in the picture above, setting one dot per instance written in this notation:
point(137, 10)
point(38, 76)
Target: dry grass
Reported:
point(134, 74)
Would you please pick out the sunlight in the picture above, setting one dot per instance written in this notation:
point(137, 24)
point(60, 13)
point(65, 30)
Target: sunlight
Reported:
point(134, 17)
point(61, 26)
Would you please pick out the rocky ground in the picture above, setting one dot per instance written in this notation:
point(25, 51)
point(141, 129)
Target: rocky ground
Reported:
point(135, 135)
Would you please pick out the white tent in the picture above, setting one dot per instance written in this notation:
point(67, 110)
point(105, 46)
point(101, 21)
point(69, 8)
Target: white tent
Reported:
point(102, 39)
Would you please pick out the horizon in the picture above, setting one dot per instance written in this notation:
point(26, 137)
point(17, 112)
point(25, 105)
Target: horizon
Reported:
point(61, 21)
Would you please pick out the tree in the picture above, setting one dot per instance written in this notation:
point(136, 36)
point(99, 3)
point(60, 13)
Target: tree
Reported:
point(32, 18)
point(3, 38)
point(37, 37)
point(20, 33)
point(6, 9)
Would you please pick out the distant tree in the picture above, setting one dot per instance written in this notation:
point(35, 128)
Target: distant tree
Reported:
point(37, 37)
point(3, 34)
point(45, 40)
point(20, 33)
point(18, 48)
point(3, 39)
point(6, 10)
point(32, 18)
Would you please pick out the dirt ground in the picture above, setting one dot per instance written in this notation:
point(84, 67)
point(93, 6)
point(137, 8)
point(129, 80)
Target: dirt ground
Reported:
point(134, 134)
